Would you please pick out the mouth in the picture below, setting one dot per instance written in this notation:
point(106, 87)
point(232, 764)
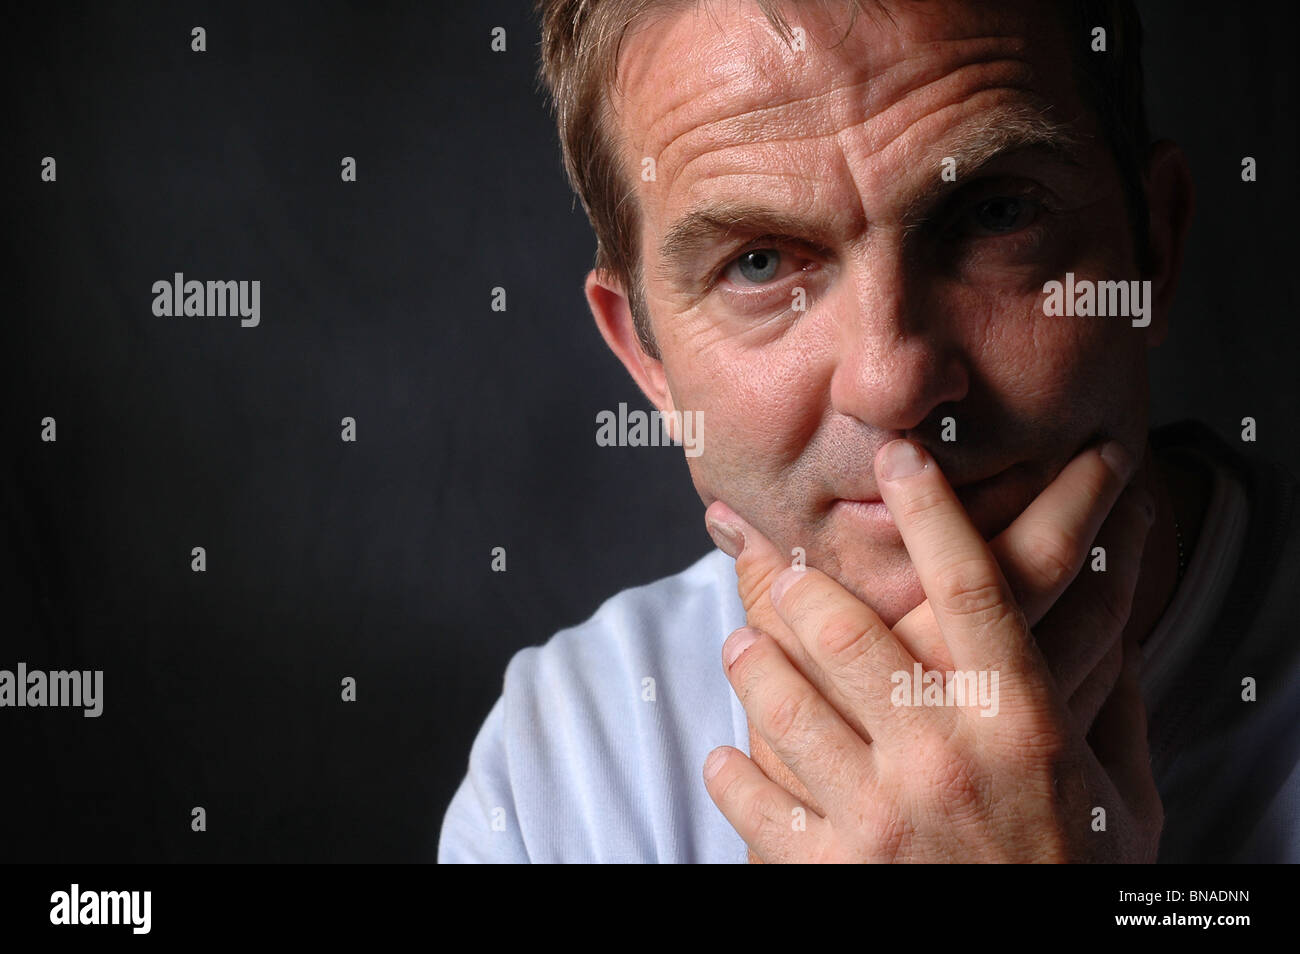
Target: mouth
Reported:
point(965, 488)
point(871, 508)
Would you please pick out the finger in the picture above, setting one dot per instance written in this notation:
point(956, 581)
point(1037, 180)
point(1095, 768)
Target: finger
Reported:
point(972, 603)
point(1096, 687)
point(1093, 613)
point(776, 825)
point(1119, 740)
point(807, 734)
point(854, 650)
point(1043, 549)
point(1046, 546)
point(758, 563)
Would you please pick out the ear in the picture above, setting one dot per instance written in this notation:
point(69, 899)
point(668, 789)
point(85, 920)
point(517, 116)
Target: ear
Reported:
point(1171, 198)
point(613, 314)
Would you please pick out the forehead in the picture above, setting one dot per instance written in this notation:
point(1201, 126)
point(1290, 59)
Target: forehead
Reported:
point(711, 87)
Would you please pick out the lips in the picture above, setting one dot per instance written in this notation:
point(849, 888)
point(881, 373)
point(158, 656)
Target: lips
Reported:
point(862, 500)
point(872, 497)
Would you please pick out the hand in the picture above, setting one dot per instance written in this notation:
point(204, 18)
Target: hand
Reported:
point(823, 669)
point(1040, 554)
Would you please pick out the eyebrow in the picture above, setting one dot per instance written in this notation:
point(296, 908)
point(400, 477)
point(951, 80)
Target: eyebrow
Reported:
point(1007, 131)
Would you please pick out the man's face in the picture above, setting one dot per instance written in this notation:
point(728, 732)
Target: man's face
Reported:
point(923, 297)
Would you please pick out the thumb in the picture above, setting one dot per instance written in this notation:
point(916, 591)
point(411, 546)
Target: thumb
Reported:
point(758, 564)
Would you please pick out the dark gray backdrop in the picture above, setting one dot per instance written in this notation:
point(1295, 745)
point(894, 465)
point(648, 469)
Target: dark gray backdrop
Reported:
point(475, 428)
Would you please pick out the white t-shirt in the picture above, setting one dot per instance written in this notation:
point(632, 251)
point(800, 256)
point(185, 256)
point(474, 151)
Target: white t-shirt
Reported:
point(595, 749)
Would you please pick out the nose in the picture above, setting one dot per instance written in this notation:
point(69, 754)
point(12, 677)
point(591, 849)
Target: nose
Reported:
point(896, 362)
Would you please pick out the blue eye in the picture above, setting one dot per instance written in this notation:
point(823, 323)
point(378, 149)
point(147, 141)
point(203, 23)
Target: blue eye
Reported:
point(1004, 213)
point(759, 265)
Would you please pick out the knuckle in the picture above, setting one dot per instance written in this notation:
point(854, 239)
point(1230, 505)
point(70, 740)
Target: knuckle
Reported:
point(787, 715)
point(885, 833)
point(952, 781)
point(968, 588)
point(845, 639)
point(923, 503)
point(763, 811)
point(1026, 733)
point(1039, 739)
point(754, 582)
point(730, 784)
point(959, 786)
point(1056, 558)
point(804, 602)
point(749, 673)
point(932, 747)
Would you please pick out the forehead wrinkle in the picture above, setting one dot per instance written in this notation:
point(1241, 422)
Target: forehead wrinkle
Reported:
point(989, 133)
point(1005, 129)
point(846, 120)
point(1031, 109)
point(868, 148)
point(723, 68)
point(854, 103)
point(975, 141)
point(726, 77)
point(952, 89)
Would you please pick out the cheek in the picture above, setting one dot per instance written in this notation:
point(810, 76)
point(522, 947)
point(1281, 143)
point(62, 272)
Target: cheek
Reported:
point(761, 407)
point(1063, 369)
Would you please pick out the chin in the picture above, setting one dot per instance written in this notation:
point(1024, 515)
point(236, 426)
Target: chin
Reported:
point(888, 584)
point(994, 504)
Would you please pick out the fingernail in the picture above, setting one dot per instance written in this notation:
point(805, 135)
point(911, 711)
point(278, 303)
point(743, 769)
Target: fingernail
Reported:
point(1119, 459)
point(714, 762)
point(901, 459)
point(781, 584)
point(726, 535)
point(737, 643)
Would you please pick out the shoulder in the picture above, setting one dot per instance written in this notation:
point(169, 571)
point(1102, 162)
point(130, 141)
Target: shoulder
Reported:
point(593, 751)
point(1257, 521)
point(1232, 723)
point(634, 634)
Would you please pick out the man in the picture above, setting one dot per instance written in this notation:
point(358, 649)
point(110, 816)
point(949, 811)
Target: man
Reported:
point(906, 260)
